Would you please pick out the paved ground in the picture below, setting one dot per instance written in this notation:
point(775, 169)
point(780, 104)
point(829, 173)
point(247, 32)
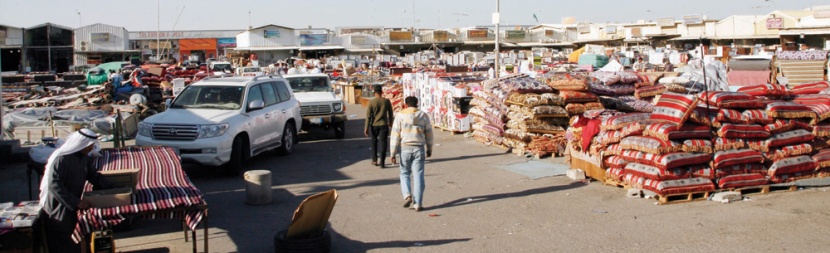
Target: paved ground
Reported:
point(480, 207)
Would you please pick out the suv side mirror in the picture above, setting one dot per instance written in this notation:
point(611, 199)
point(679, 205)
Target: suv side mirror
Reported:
point(256, 105)
point(167, 103)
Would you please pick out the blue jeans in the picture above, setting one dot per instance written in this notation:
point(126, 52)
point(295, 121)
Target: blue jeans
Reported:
point(412, 160)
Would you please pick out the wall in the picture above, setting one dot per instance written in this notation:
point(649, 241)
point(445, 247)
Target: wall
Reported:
point(257, 38)
point(107, 39)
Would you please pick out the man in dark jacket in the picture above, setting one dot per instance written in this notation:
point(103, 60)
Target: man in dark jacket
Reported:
point(67, 171)
point(378, 121)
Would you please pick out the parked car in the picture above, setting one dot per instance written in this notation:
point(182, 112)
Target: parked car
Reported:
point(320, 106)
point(225, 121)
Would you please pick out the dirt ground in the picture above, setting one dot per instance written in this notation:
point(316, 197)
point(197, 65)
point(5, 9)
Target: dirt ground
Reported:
point(471, 206)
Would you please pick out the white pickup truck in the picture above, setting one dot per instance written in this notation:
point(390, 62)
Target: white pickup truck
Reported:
point(319, 106)
point(225, 121)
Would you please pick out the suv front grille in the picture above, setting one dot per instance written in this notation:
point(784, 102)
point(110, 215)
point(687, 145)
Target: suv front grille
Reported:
point(175, 132)
point(315, 109)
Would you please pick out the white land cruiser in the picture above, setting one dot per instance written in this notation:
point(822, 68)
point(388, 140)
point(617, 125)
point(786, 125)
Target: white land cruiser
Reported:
point(319, 105)
point(225, 121)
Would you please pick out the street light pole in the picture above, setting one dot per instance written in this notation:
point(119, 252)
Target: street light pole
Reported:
point(498, 41)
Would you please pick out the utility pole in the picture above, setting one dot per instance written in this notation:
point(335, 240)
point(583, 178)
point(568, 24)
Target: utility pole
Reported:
point(498, 41)
point(158, 30)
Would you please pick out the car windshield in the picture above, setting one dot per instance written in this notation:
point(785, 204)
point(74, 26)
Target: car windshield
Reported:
point(210, 97)
point(309, 84)
point(221, 67)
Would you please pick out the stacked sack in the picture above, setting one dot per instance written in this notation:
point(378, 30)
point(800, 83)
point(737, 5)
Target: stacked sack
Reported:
point(394, 93)
point(815, 97)
point(573, 87)
point(670, 156)
point(489, 114)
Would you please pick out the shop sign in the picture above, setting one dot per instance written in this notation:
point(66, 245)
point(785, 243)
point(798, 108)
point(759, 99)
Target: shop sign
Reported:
point(583, 27)
point(313, 39)
point(400, 36)
point(548, 33)
point(568, 20)
point(693, 19)
point(636, 31)
point(515, 34)
point(359, 40)
point(160, 45)
point(271, 33)
point(775, 23)
point(99, 37)
point(440, 36)
point(477, 34)
point(226, 42)
point(664, 22)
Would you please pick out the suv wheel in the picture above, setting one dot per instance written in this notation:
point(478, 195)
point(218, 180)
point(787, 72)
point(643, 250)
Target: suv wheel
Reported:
point(340, 130)
point(288, 140)
point(238, 157)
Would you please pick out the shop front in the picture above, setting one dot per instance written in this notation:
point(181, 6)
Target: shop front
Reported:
point(200, 49)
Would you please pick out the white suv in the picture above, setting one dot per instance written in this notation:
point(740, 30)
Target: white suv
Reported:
point(225, 121)
point(320, 106)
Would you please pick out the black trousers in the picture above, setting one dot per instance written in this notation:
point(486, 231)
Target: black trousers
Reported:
point(59, 234)
point(380, 134)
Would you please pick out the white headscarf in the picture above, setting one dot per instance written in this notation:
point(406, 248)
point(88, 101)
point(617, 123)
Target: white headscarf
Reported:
point(76, 142)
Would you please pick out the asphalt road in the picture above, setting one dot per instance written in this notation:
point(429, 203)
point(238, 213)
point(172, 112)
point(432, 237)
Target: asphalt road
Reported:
point(471, 206)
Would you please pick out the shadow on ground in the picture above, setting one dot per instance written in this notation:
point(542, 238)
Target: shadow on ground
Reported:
point(491, 197)
point(341, 243)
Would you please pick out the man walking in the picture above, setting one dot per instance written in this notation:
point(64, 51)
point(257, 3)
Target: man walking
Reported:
point(378, 120)
point(412, 138)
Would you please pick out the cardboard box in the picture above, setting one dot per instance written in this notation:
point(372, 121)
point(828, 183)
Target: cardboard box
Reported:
point(121, 178)
point(110, 197)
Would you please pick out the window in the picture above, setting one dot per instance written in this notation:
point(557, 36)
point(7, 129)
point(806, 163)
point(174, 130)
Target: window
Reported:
point(285, 95)
point(254, 94)
point(269, 94)
point(210, 97)
point(309, 84)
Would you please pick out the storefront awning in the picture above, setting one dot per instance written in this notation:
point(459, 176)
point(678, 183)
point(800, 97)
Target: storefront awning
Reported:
point(265, 48)
point(108, 52)
point(746, 37)
point(805, 31)
point(539, 44)
point(596, 40)
point(312, 48)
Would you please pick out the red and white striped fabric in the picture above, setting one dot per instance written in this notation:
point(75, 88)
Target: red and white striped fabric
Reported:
point(730, 116)
point(687, 185)
point(757, 116)
point(792, 165)
point(716, 98)
point(810, 88)
point(789, 151)
point(674, 108)
point(162, 185)
point(736, 157)
point(765, 90)
point(742, 180)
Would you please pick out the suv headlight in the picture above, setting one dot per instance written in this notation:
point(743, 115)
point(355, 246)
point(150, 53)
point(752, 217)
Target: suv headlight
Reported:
point(337, 107)
point(209, 131)
point(145, 129)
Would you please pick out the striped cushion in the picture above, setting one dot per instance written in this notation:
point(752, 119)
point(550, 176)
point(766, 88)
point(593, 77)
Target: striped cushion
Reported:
point(650, 91)
point(634, 129)
point(697, 145)
point(648, 79)
point(722, 144)
point(679, 186)
point(736, 157)
point(757, 116)
point(745, 104)
point(731, 116)
point(638, 157)
point(758, 168)
point(615, 173)
point(622, 120)
point(606, 138)
point(765, 90)
point(780, 126)
point(577, 97)
point(716, 98)
point(780, 179)
point(817, 99)
point(822, 112)
point(702, 170)
point(789, 110)
point(789, 138)
point(615, 162)
point(674, 160)
point(822, 158)
point(809, 88)
point(789, 151)
point(613, 149)
point(674, 108)
point(758, 145)
point(742, 180)
point(651, 172)
point(649, 144)
point(792, 165)
point(822, 130)
point(668, 131)
point(743, 131)
point(700, 116)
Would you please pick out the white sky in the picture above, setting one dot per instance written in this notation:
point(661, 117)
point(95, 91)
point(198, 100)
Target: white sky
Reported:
point(230, 14)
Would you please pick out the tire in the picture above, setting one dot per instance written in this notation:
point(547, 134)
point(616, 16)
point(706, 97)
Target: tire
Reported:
point(321, 243)
point(289, 136)
point(340, 130)
point(237, 163)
